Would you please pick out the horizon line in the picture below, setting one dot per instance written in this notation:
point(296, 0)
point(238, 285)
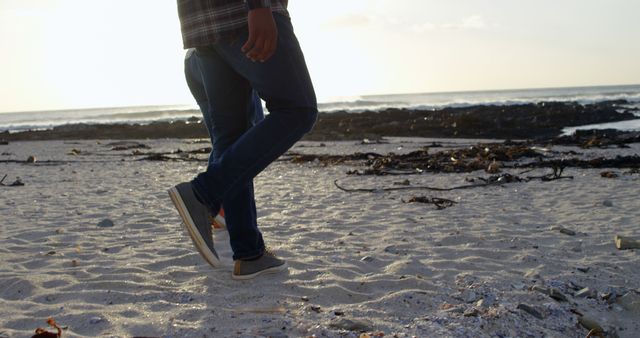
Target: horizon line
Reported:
point(360, 96)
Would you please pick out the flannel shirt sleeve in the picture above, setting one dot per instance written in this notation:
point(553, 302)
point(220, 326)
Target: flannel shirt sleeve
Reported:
point(253, 4)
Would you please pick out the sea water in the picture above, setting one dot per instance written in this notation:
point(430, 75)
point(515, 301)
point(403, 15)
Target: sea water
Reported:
point(145, 114)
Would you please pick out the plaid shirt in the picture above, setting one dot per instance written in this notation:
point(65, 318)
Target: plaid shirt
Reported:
point(203, 22)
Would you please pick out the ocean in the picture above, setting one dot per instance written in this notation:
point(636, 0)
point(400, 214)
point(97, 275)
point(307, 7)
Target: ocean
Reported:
point(14, 122)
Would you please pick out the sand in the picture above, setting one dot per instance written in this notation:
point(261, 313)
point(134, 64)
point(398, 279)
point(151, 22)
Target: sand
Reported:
point(364, 261)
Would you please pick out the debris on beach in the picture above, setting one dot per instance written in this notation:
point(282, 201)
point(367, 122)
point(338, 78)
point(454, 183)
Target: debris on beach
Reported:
point(494, 180)
point(175, 156)
point(608, 174)
point(586, 293)
point(126, 145)
point(74, 152)
point(598, 138)
point(106, 223)
point(16, 183)
point(42, 333)
point(626, 243)
point(563, 230)
point(592, 325)
point(355, 325)
point(440, 203)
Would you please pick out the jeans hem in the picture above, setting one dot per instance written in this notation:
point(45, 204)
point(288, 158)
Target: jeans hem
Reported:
point(249, 255)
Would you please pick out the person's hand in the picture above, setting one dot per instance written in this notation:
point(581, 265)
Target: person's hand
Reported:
point(263, 35)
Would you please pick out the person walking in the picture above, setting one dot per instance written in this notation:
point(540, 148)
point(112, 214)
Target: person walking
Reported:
point(243, 48)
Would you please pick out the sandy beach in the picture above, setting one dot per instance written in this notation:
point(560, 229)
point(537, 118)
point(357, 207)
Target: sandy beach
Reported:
point(93, 241)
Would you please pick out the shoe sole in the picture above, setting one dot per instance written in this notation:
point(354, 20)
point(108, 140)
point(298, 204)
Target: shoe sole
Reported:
point(268, 271)
point(192, 230)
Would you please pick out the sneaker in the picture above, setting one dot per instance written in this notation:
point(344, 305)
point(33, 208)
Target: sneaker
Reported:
point(268, 263)
point(218, 223)
point(195, 219)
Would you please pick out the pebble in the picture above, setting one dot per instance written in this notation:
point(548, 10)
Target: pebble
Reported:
point(105, 223)
point(304, 298)
point(31, 159)
point(96, 320)
point(565, 231)
point(367, 259)
point(607, 203)
point(530, 310)
point(468, 296)
point(351, 325)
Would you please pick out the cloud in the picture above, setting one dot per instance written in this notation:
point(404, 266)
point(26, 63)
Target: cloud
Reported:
point(350, 20)
point(473, 22)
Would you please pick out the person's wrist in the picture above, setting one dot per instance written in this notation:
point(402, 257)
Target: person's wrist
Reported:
point(255, 4)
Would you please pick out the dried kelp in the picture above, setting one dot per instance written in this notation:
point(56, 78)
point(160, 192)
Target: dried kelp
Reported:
point(42, 333)
point(493, 180)
point(440, 203)
point(488, 157)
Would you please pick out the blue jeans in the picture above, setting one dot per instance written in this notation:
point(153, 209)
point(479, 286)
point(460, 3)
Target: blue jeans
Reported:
point(229, 79)
point(240, 212)
point(221, 139)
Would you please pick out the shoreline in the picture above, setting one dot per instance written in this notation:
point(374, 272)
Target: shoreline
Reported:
point(519, 121)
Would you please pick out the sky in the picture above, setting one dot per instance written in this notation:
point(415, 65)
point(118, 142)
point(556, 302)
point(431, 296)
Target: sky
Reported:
point(65, 54)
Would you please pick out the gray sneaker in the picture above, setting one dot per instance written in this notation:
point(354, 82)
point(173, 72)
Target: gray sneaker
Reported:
point(195, 217)
point(268, 263)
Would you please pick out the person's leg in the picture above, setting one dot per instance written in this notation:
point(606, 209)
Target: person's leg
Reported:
point(284, 83)
point(227, 117)
point(254, 112)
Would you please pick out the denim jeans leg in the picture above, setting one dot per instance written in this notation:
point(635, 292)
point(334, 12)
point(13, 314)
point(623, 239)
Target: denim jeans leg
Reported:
point(284, 83)
point(224, 128)
point(193, 68)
